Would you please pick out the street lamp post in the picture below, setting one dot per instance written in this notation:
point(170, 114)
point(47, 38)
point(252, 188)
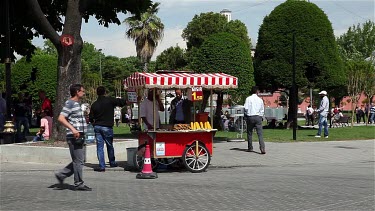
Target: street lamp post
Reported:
point(7, 62)
point(100, 66)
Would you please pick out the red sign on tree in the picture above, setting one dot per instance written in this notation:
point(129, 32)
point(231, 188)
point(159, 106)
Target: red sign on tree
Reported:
point(66, 40)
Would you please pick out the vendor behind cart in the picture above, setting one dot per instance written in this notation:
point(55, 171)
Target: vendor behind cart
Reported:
point(180, 109)
point(147, 106)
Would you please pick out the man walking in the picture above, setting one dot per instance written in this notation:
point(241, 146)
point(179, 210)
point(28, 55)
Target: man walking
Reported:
point(254, 110)
point(72, 118)
point(323, 112)
point(101, 117)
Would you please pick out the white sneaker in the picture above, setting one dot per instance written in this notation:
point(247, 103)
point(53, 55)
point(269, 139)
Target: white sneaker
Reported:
point(317, 136)
point(325, 136)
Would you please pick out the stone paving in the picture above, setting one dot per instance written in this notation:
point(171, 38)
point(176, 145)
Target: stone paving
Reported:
point(335, 175)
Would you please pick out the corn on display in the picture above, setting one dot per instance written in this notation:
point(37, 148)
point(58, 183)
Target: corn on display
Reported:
point(200, 126)
point(193, 126)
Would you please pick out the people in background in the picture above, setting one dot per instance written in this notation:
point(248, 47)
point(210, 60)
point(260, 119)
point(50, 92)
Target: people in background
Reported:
point(46, 103)
point(101, 117)
point(117, 116)
point(147, 113)
point(372, 114)
point(337, 116)
point(323, 113)
point(45, 130)
point(129, 112)
point(29, 106)
point(310, 115)
point(358, 114)
point(3, 111)
point(254, 111)
point(20, 115)
point(363, 114)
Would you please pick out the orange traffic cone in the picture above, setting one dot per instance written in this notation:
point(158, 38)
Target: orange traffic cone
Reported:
point(147, 172)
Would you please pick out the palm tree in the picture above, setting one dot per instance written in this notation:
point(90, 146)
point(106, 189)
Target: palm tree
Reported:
point(146, 31)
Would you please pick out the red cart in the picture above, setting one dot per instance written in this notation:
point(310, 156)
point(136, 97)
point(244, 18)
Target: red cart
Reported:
point(193, 148)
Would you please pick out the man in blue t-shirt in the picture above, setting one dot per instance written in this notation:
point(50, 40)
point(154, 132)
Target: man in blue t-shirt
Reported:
point(180, 109)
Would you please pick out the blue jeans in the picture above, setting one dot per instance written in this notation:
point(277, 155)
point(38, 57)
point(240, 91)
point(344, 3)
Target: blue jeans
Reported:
point(21, 120)
point(38, 138)
point(104, 134)
point(323, 122)
point(372, 118)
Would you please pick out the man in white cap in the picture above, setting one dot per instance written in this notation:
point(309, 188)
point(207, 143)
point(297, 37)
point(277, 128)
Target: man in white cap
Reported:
point(323, 113)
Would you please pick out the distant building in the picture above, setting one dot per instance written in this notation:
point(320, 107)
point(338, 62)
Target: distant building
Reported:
point(252, 52)
point(227, 14)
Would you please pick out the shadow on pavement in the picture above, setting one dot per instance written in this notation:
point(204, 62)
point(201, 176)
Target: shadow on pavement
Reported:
point(244, 150)
point(122, 164)
point(220, 139)
point(62, 187)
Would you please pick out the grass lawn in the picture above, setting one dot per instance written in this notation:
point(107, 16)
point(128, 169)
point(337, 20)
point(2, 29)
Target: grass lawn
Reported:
point(286, 135)
point(279, 135)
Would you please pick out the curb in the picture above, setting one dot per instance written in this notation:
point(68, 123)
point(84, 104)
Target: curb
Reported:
point(58, 155)
point(236, 140)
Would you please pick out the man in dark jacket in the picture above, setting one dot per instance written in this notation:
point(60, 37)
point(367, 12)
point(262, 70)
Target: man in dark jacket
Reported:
point(180, 109)
point(101, 117)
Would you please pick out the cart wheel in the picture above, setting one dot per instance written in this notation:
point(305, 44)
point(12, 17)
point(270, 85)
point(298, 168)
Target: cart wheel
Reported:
point(196, 162)
point(139, 158)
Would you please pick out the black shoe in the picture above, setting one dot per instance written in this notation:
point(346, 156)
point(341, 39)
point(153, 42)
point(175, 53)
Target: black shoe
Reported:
point(99, 169)
point(61, 181)
point(249, 150)
point(82, 188)
point(113, 165)
point(262, 151)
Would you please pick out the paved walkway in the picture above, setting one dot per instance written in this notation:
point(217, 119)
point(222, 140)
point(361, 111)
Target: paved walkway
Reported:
point(335, 175)
point(233, 154)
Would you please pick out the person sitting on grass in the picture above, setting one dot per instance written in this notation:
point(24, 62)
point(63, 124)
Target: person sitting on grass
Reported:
point(39, 135)
point(45, 130)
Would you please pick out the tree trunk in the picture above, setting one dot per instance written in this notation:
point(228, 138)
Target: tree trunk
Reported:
point(145, 67)
point(69, 64)
point(206, 95)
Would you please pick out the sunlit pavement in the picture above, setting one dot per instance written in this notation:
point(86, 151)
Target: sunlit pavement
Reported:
point(335, 175)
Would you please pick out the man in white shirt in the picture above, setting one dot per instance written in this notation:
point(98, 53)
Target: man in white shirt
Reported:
point(147, 114)
point(323, 113)
point(254, 110)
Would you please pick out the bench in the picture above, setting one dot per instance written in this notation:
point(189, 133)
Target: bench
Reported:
point(343, 121)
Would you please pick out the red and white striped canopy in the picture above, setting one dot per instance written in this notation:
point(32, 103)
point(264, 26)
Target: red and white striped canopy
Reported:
point(181, 80)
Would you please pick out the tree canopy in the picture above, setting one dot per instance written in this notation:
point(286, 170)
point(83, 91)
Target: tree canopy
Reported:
point(38, 74)
point(317, 58)
point(358, 41)
point(61, 19)
point(227, 53)
point(172, 58)
point(50, 15)
point(146, 31)
point(204, 25)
